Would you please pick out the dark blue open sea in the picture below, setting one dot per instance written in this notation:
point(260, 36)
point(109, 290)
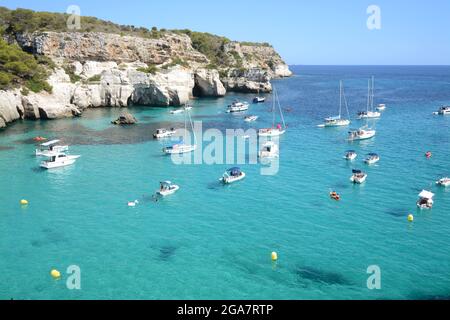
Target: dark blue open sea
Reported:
point(213, 242)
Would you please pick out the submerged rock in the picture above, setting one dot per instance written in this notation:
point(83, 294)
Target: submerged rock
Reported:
point(125, 119)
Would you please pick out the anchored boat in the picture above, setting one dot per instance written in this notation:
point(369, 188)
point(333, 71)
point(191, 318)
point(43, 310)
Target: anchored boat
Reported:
point(251, 118)
point(237, 106)
point(443, 111)
point(269, 150)
point(350, 155)
point(337, 121)
point(363, 133)
point(182, 146)
point(167, 188)
point(164, 133)
point(370, 113)
point(445, 182)
point(57, 159)
point(358, 176)
point(278, 130)
point(372, 158)
point(232, 175)
point(425, 200)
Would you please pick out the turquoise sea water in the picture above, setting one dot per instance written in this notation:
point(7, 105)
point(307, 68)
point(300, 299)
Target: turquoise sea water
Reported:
point(214, 242)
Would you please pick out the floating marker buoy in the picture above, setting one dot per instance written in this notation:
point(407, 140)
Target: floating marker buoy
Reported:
point(274, 256)
point(410, 218)
point(23, 202)
point(55, 274)
point(428, 154)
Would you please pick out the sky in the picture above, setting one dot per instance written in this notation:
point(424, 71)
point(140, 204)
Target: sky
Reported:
point(305, 32)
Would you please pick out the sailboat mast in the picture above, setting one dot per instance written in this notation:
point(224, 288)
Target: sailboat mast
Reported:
point(281, 112)
point(373, 95)
point(273, 107)
point(340, 98)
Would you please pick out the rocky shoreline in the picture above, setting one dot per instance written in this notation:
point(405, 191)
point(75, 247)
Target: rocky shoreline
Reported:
point(109, 70)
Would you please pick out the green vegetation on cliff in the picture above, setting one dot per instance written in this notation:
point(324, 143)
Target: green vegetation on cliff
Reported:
point(19, 68)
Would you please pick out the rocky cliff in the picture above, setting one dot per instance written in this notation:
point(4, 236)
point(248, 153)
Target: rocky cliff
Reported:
point(95, 69)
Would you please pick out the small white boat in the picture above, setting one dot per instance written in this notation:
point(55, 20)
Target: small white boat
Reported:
point(179, 148)
point(372, 158)
point(425, 200)
point(269, 150)
point(278, 130)
point(182, 147)
point(187, 107)
point(361, 134)
point(251, 118)
point(350, 155)
point(445, 182)
point(358, 176)
point(444, 110)
point(237, 106)
point(381, 107)
point(369, 115)
point(167, 188)
point(164, 133)
point(338, 121)
point(133, 203)
point(259, 99)
point(56, 160)
point(232, 175)
point(50, 147)
point(178, 111)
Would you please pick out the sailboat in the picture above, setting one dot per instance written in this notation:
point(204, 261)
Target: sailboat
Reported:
point(182, 147)
point(274, 131)
point(338, 121)
point(370, 113)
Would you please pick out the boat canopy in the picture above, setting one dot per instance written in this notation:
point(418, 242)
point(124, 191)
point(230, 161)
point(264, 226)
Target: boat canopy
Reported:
point(351, 151)
point(333, 118)
point(372, 154)
point(166, 183)
point(234, 171)
point(426, 194)
point(356, 171)
point(48, 144)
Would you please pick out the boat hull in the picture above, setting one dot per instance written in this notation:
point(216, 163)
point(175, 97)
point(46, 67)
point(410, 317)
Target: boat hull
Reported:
point(53, 165)
point(271, 133)
point(180, 150)
point(165, 193)
point(231, 179)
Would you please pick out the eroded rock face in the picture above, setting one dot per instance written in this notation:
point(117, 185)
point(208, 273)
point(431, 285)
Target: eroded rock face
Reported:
point(11, 107)
point(249, 81)
point(97, 46)
point(208, 83)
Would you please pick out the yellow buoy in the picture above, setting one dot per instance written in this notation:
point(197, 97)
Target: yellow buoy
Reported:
point(274, 256)
point(55, 274)
point(410, 218)
point(23, 202)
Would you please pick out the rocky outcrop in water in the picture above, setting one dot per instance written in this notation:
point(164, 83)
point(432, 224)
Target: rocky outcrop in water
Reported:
point(125, 119)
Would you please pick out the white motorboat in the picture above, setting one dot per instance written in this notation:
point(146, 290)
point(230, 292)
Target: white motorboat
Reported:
point(187, 107)
point(358, 176)
point(232, 175)
point(445, 182)
point(269, 150)
point(444, 110)
point(381, 107)
point(425, 200)
point(237, 106)
point(179, 148)
point(279, 129)
point(338, 121)
point(50, 147)
point(57, 159)
point(182, 146)
point(350, 155)
point(372, 158)
point(361, 134)
point(164, 133)
point(178, 111)
point(370, 113)
point(259, 99)
point(167, 188)
point(251, 118)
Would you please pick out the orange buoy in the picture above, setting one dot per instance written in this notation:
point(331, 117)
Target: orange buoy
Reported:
point(39, 139)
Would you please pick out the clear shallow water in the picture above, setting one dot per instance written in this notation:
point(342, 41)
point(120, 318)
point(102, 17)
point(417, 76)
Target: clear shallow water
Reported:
point(214, 242)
